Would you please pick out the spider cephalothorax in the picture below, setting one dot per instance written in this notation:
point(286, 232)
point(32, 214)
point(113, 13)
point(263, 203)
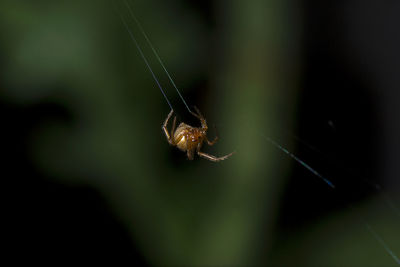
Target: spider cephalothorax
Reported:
point(190, 139)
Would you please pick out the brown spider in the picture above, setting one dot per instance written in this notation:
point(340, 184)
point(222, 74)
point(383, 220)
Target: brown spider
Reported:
point(189, 139)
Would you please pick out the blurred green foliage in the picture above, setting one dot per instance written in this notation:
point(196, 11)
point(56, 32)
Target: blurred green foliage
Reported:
point(78, 55)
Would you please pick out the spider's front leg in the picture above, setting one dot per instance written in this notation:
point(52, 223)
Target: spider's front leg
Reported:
point(210, 143)
point(213, 158)
point(164, 127)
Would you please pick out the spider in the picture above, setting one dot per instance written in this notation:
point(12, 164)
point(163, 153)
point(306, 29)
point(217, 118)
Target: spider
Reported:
point(189, 139)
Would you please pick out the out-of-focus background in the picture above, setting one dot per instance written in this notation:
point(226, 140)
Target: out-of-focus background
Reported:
point(89, 175)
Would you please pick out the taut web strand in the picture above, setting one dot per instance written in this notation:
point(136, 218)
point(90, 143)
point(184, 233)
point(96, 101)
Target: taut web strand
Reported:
point(155, 53)
point(382, 242)
point(367, 225)
point(300, 161)
point(145, 59)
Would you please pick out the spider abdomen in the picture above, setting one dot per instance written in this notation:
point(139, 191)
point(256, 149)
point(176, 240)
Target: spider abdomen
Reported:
point(187, 137)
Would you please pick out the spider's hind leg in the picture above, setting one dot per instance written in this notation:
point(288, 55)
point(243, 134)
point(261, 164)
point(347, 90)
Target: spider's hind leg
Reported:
point(190, 154)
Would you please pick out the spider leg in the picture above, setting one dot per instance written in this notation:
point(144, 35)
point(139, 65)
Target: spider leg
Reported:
point(197, 114)
point(190, 154)
point(164, 127)
point(210, 143)
point(173, 128)
point(200, 117)
point(213, 158)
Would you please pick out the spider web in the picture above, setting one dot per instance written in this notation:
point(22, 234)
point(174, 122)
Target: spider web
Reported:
point(364, 187)
point(97, 114)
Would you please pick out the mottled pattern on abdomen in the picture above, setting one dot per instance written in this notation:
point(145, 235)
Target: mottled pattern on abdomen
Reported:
point(186, 137)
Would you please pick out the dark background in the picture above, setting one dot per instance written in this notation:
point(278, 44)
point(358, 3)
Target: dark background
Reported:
point(346, 126)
